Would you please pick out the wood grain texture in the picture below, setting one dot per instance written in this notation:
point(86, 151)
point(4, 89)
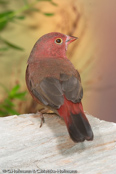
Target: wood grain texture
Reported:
point(24, 145)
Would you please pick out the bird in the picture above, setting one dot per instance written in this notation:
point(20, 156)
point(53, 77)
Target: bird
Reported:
point(53, 82)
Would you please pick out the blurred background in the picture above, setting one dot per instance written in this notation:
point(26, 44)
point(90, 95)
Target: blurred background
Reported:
point(93, 54)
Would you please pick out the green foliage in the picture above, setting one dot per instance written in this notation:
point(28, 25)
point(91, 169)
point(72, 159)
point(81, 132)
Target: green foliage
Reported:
point(3, 2)
point(48, 14)
point(5, 18)
point(10, 45)
point(8, 16)
point(12, 16)
point(7, 106)
point(3, 49)
point(51, 1)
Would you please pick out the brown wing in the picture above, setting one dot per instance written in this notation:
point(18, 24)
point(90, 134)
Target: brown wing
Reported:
point(72, 88)
point(51, 91)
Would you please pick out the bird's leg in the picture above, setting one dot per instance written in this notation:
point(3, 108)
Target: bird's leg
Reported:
point(44, 111)
point(42, 119)
point(41, 112)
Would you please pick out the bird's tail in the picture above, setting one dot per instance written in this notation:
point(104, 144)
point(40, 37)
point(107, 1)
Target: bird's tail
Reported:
point(77, 124)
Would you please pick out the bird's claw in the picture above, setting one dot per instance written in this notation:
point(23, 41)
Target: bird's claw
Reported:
point(42, 119)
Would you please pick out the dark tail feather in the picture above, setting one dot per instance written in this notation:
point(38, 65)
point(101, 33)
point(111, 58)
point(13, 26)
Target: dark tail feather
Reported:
point(77, 124)
point(79, 128)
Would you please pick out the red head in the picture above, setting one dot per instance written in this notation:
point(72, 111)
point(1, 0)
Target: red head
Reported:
point(51, 45)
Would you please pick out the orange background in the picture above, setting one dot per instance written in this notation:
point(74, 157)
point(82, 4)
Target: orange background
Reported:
point(93, 54)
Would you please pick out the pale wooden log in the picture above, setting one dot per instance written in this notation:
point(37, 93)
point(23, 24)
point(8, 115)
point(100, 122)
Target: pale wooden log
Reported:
point(24, 145)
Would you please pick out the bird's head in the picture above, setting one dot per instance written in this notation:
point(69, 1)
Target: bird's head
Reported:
point(51, 45)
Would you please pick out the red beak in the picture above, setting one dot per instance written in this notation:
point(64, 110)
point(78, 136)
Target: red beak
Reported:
point(70, 39)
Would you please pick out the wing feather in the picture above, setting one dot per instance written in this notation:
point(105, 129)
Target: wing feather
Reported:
point(51, 91)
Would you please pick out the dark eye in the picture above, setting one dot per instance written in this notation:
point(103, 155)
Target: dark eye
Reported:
point(58, 41)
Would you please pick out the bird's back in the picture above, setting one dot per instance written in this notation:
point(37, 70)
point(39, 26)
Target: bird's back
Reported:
point(42, 68)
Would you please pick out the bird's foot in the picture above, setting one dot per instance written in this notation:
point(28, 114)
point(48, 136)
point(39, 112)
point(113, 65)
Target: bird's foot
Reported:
point(42, 119)
point(40, 113)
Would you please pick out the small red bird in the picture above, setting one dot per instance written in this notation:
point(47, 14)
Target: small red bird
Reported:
point(53, 82)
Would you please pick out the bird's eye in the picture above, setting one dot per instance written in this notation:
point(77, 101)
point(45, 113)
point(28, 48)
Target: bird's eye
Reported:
point(58, 41)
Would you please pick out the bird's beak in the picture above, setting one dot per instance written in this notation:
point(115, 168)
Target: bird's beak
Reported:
point(70, 39)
